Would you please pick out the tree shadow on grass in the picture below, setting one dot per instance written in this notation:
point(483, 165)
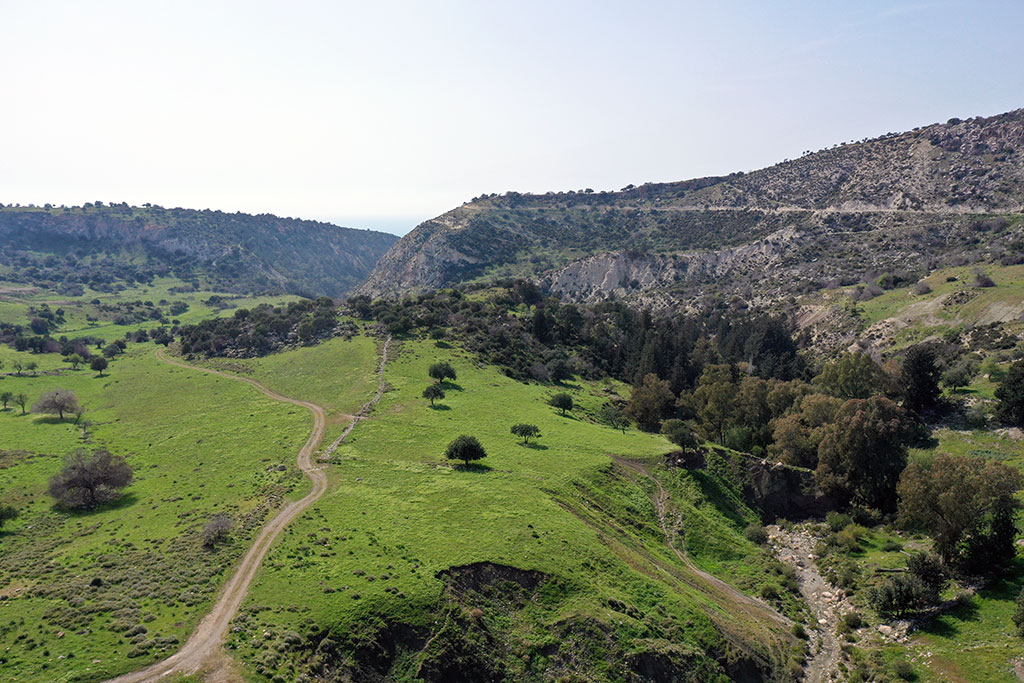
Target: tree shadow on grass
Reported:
point(534, 446)
point(442, 344)
point(942, 627)
point(51, 420)
point(440, 406)
point(451, 385)
point(121, 502)
point(473, 467)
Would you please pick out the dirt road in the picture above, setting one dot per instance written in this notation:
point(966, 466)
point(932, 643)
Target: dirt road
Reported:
point(201, 650)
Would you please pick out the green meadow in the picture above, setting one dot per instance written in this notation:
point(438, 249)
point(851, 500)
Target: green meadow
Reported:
point(399, 514)
point(92, 594)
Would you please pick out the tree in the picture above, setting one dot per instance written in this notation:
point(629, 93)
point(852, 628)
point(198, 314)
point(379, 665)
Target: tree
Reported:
point(649, 401)
point(465, 448)
point(21, 400)
point(967, 505)
point(863, 452)
point(32, 366)
point(18, 366)
point(58, 401)
point(441, 372)
point(919, 378)
point(928, 569)
point(1010, 394)
point(680, 433)
point(75, 360)
point(99, 364)
point(614, 417)
point(897, 597)
point(525, 431)
point(961, 374)
point(89, 480)
point(5, 398)
point(7, 513)
point(561, 401)
point(433, 392)
point(216, 530)
point(715, 399)
point(853, 375)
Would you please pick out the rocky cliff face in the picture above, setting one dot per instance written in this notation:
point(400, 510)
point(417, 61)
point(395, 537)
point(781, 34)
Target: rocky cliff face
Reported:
point(913, 200)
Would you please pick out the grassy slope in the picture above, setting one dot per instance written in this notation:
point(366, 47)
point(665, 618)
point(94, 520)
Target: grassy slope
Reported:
point(198, 445)
point(974, 644)
point(14, 307)
point(399, 511)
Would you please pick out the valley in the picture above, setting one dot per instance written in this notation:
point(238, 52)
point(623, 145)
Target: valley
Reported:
point(763, 427)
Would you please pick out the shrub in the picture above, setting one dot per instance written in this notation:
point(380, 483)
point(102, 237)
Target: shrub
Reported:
point(770, 591)
point(852, 620)
point(756, 533)
point(892, 546)
point(897, 597)
point(799, 631)
point(922, 288)
point(904, 669)
point(837, 521)
point(216, 530)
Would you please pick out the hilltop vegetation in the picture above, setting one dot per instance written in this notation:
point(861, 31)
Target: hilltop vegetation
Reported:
point(942, 195)
point(109, 246)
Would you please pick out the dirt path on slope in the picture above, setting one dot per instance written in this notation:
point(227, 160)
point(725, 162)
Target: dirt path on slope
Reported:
point(754, 606)
point(202, 649)
point(796, 548)
point(364, 412)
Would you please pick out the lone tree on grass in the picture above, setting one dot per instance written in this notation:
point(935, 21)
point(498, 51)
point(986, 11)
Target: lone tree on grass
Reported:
point(88, 480)
point(98, 364)
point(525, 431)
point(22, 401)
point(75, 360)
point(465, 448)
point(58, 401)
point(433, 392)
point(216, 531)
point(441, 372)
point(561, 401)
point(5, 398)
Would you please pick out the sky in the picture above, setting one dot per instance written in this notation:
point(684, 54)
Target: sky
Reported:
point(383, 114)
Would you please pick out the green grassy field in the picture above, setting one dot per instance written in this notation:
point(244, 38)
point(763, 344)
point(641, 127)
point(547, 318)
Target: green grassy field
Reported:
point(399, 514)
point(89, 595)
point(83, 317)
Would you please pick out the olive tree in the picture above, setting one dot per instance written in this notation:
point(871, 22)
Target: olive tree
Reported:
point(465, 448)
point(525, 431)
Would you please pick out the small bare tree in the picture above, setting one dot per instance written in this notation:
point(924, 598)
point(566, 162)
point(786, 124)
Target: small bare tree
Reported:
point(88, 480)
point(216, 531)
point(58, 401)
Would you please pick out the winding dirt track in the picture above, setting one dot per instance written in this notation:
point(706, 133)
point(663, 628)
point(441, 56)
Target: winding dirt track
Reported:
point(203, 646)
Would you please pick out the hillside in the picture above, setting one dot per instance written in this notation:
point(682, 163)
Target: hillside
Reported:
point(942, 195)
point(107, 245)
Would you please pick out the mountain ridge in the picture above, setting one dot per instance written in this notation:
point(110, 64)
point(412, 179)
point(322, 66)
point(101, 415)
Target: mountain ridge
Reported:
point(236, 251)
point(930, 187)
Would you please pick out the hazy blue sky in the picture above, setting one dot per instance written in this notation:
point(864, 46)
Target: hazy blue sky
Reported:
point(381, 114)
